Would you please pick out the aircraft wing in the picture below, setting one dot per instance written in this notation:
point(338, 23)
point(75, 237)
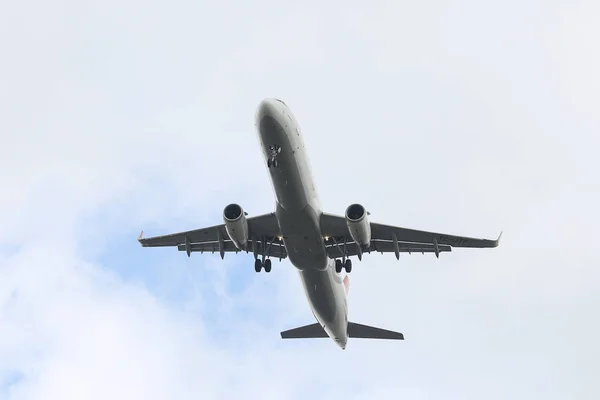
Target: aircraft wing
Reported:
point(380, 246)
point(276, 249)
point(382, 236)
point(264, 228)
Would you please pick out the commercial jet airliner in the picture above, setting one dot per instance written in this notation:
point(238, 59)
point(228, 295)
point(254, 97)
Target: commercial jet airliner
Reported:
point(318, 244)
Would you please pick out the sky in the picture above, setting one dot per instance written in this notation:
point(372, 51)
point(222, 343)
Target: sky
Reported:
point(468, 118)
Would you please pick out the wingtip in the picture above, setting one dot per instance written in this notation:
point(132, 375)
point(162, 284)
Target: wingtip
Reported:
point(141, 236)
point(499, 237)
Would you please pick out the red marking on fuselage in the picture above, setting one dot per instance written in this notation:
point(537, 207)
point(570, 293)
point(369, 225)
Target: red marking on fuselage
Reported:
point(347, 283)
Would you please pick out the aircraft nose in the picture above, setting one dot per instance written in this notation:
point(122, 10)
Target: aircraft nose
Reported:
point(266, 108)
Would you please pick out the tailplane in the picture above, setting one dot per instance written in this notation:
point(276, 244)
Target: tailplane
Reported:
point(355, 330)
point(369, 332)
point(311, 331)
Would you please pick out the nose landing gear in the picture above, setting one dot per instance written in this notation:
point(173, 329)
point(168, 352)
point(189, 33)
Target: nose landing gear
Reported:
point(274, 151)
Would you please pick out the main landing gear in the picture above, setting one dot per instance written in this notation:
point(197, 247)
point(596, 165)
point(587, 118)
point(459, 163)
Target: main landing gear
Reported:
point(274, 151)
point(260, 264)
point(345, 265)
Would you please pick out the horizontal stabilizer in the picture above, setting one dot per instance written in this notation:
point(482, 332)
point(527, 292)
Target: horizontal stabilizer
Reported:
point(305, 332)
point(358, 331)
point(369, 332)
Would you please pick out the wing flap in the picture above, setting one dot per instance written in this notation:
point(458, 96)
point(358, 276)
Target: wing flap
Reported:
point(385, 246)
point(276, 250)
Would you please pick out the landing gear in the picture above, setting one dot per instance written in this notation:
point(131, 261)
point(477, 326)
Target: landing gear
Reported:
point(272, 160)
point(344, 263)
point(259, 264)
point(347, 265)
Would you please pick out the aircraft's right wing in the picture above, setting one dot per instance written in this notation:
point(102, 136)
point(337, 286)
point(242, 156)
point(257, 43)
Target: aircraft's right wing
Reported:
point(262, 228)
point(275, 249)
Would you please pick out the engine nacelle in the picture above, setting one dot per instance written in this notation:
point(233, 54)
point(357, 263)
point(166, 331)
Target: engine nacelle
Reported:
point(236, 225)
point(358, 224)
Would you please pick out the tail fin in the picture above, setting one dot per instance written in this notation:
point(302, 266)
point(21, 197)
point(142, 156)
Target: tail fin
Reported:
point(358, 331)
point(369, 332)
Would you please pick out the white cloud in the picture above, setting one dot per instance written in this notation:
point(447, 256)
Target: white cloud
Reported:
point(469, 119)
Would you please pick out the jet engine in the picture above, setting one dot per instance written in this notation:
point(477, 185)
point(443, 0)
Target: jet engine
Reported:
point(236, 225)
point(358, 224)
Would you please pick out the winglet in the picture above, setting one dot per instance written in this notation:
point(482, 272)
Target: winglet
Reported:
point(498, 240)
point(141, 235)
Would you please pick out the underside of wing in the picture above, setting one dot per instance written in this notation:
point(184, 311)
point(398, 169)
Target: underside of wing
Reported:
point(274, 249)
point(413, 235)
point(262, 225)
point(210, 234)
point(263, 238)
point(380, 246)
point(386, 239)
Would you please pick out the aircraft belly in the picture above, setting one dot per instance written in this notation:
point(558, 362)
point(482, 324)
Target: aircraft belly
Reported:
point(302, 238)
point(293, 188)
point(298, 214)
point(327, 300)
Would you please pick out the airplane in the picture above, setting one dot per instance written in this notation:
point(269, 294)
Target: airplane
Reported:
point(318, 244)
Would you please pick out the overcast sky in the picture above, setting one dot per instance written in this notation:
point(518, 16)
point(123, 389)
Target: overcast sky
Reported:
point(468, 118)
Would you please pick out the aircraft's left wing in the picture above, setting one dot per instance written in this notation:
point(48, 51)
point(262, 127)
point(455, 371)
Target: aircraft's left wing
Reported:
point(379, 246)
point(385, 237)
point(263, 228)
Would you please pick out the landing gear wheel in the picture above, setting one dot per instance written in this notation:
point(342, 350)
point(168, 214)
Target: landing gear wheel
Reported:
point(257, 265)
point(268, 265)
point(338, 266)
point(348, 266)
point(274, 150)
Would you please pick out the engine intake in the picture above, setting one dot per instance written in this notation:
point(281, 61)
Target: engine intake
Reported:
point(358, 224)
point(236, 225)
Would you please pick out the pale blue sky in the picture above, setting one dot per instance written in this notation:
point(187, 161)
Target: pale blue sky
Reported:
point(467, 118)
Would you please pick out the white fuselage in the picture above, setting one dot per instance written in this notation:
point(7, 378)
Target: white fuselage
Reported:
point(298, 213)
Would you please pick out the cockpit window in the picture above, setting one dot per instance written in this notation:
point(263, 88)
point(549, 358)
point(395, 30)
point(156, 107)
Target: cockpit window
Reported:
point(281, 102)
